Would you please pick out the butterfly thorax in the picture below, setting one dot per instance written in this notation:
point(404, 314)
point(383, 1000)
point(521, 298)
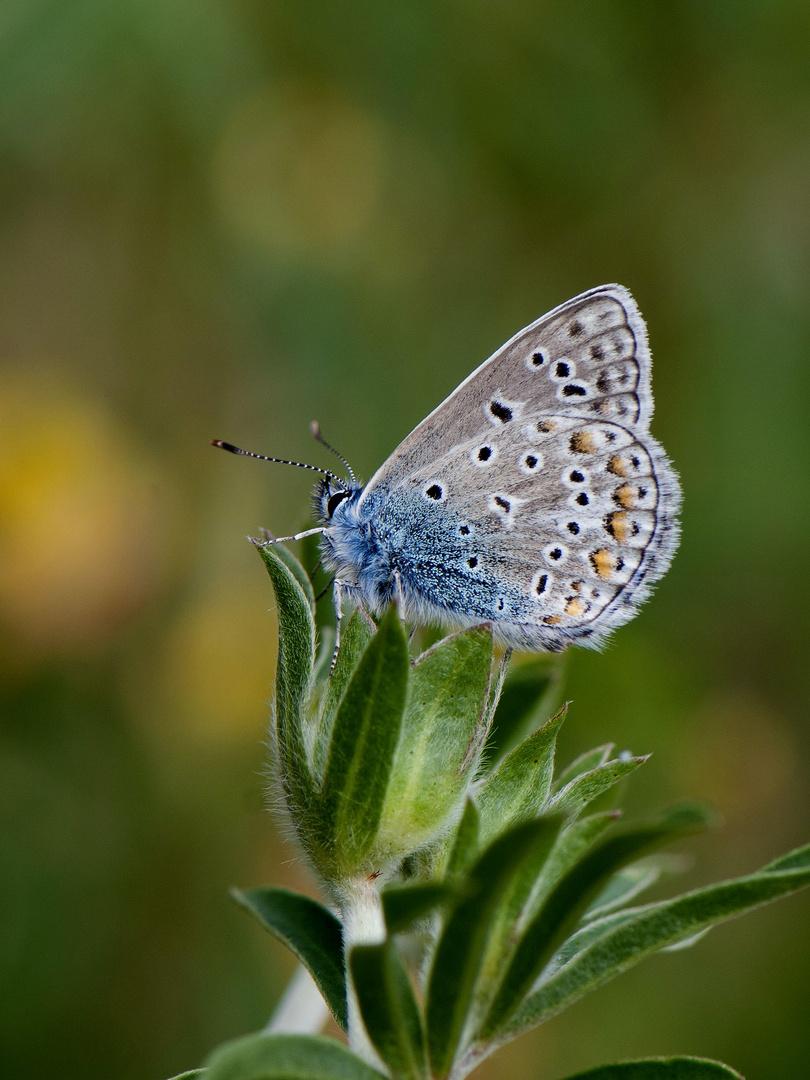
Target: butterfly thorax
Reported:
point(365, 566)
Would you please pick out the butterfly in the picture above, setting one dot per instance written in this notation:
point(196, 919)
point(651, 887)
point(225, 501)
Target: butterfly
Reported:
point(534, 498)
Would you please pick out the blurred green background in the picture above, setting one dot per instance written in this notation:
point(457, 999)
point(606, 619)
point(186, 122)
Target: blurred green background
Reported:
point(226, 219)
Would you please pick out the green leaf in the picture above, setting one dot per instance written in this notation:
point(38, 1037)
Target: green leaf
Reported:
point(524, 703)
point(794, 860)
point(572, 843)
point(586, 936)
point(405, 905)
point(355, 636)
point(463, 942)
point(622, 888)
point(296, 655)
point(311, 556)
point(519, 787)
point(648, 930)
point(567, 902)
point(674, 1068)
point(583, 789)
point(364, 739)
point(442, 735)
point(297, 571)
point(389, 1009)
point(309, 930)
point(287, 1057)
point(584, 763)
point(466, 843)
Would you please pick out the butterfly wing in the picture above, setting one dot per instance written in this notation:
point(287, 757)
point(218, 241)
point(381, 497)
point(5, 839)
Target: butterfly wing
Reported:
point(543, 503)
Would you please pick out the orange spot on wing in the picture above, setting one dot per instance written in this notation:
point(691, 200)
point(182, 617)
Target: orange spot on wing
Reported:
point(617, 466)
point(603, 562)
point(575, 606)
point(625, 496)
point(552, 620)
point(618, 525)
point(583, 442)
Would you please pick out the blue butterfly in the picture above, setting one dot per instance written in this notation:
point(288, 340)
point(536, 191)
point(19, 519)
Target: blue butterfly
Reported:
point(533, 498)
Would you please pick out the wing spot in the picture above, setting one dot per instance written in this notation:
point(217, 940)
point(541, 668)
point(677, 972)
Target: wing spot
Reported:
point(562, 370)
point(504, 504)
point(542, 584)
point(538, 359)
point(435, 492)
point(573, 528)
point(617, 466)
point(582, 442)
point(552, 620)
point(617, 524)
point(574, 390)
point(464, 530)
point(582, 499)
point(472, 562)
point(545, 427)
point(603, 383)
point(500, 603)
point(575, 328)
point(485, 453)
point(603, 561)
point(575, 607)
point(500, 412)
point(576, 477)
point(597, 352)
point(625, 496)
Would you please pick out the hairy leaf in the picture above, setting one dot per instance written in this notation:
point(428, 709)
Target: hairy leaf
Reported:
point(364, 738)
point(296, 655)
point(442, 734)
point(675, 1068)
point(355, 636)
point(287, 1057)
point(591, 759)
point(519, 787)
point(464, 939)
point(583, 789)
point(525, 701)
point(405, 905)
point(649, 930)
point(466, 843)
point(389, 1009)
point(567, 902)
point(309, 930)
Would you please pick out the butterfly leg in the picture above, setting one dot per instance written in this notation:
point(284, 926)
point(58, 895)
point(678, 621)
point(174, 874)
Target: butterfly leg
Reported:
point(270, 540)
point(337, 597)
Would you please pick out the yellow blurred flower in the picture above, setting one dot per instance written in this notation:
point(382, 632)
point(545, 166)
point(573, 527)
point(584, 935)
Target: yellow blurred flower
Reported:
point(81, 526)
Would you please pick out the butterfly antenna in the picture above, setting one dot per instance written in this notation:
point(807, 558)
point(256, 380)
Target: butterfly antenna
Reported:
point(314, 427)
point(279, 461)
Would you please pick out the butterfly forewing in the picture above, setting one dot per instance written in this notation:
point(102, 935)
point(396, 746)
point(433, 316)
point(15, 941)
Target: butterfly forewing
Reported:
point(589, 358)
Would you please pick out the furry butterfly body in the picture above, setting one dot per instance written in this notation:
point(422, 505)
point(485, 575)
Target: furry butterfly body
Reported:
point(534, 497)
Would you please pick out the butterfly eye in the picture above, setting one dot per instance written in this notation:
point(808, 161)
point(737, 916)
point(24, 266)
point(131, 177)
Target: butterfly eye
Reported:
point(335, 501)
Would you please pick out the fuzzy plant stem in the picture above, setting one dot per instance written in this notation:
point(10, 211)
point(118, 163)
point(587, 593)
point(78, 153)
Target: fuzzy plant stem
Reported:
point(363, 924)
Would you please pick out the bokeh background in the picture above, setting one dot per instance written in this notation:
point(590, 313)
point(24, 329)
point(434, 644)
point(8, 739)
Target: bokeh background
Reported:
point(225, 218)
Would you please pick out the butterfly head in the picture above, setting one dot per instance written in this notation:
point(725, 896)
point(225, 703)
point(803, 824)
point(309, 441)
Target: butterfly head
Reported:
point(332, 496)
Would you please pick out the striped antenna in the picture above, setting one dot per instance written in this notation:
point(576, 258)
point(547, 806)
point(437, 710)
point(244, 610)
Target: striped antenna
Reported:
point(315, 428)
point(279, 461)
